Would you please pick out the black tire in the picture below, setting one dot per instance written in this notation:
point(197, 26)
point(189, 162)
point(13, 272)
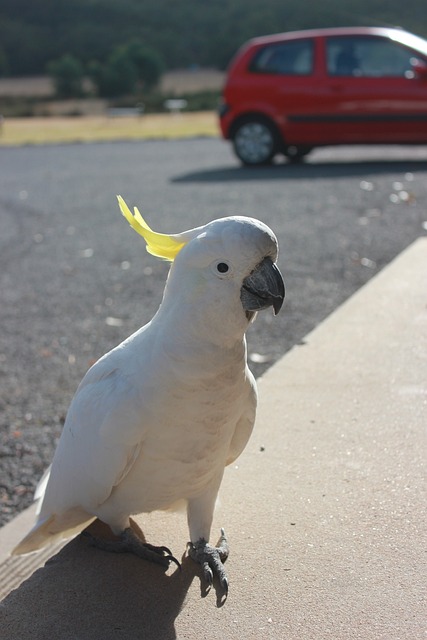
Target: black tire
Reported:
point(255, 141)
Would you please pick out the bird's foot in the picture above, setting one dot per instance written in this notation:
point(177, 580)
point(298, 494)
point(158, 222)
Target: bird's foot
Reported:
point(211, 558)
point(129, 542)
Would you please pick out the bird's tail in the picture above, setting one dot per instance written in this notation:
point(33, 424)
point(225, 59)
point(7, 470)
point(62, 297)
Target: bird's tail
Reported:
point(51, 528)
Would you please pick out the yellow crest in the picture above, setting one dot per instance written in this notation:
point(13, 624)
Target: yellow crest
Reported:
point(158, 244)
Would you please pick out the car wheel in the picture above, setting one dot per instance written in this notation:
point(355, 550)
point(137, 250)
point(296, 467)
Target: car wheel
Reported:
point(255, 142)
point(296, 153)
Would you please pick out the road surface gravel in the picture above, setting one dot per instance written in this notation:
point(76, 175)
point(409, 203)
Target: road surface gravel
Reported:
point(75, 279)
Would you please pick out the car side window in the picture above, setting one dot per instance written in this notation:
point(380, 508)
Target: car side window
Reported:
point(369, 57)
point(286, 58)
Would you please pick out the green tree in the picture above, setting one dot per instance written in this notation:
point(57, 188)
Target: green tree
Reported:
point(4, 67)
point(148, 63)
point(67, 74)
point(127, 67)
point(118, 77)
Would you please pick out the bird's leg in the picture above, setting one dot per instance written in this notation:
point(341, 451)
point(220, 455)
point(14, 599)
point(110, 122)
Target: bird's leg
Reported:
point(211, 558)
point(200, 514)
point(130, 542)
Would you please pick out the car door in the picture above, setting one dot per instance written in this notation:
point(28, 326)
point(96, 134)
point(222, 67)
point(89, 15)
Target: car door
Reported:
point(373, 92)
point(279, 81)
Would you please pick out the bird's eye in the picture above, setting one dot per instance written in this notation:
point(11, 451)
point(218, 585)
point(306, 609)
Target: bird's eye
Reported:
point(222, 267)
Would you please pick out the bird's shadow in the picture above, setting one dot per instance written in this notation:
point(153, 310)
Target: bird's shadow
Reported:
point(83, 592)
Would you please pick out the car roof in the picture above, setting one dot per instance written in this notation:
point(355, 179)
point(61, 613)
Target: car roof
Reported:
point(394, 33)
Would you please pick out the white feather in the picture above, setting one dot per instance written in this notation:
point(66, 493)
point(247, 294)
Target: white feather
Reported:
point(154, 422)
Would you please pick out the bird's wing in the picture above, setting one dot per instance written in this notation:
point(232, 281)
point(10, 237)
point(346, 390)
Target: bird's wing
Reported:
point(102, 437)
point(245, 424)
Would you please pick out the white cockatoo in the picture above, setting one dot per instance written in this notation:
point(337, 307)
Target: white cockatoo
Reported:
point(155, 421)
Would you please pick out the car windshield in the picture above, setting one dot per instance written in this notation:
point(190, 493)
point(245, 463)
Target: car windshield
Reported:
point(409, 40)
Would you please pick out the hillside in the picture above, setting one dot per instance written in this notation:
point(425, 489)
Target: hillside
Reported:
point(190, 32)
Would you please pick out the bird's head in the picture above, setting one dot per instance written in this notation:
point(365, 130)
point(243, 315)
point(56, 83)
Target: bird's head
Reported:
point(228, 261)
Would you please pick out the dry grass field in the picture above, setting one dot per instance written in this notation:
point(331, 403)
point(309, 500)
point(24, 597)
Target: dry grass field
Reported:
point(97, 126)
point(20, 131)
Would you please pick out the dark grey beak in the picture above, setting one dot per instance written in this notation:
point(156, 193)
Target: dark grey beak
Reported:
point(263, 288)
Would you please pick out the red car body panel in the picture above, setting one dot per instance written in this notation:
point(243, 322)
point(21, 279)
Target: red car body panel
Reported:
point(320, 108)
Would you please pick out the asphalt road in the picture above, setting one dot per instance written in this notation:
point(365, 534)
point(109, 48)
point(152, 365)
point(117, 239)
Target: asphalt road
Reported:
point(75, 279)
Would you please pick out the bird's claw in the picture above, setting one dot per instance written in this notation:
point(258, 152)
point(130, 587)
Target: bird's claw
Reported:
point(129, 542)
point(211, 559)
point(163, 552)
point(208, 573)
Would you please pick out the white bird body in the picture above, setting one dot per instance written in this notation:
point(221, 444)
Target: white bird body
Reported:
point(155, 421)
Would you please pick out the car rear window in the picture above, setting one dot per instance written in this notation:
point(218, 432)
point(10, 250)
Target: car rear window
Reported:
point(285, 58)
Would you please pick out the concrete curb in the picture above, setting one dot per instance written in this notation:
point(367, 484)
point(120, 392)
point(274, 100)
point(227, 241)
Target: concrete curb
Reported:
point(324, 510)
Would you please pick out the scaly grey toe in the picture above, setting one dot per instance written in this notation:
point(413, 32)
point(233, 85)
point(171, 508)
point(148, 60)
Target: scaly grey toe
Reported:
point(211, 558)
point(129, 542)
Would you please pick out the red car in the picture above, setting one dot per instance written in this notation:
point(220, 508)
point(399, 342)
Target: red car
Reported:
point(291, 92)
